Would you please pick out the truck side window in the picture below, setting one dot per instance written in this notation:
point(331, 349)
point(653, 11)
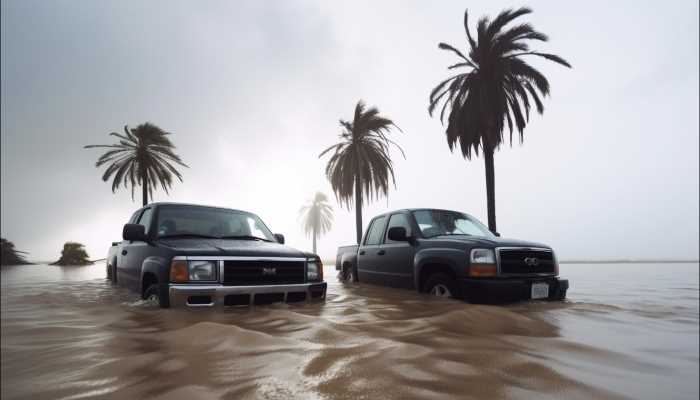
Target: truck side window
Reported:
point(145, 219)
point(376, 231)
point(398, 220)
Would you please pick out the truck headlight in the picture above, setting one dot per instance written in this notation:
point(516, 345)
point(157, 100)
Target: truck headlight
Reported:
point(314, 270)
point(482, 262)
point(202, 270)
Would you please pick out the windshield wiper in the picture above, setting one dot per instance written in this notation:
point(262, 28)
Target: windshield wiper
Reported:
point(187, 235)
point(245, 237)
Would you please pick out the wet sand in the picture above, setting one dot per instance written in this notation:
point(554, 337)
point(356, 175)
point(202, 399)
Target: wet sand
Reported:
point(627, 331)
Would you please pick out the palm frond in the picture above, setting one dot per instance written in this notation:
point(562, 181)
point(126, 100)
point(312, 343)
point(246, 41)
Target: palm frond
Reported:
point(446, 46)
point(472, 43)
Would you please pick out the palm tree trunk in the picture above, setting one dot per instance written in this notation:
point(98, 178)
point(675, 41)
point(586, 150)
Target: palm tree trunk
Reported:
point(490, 189)
point(358, 208)
point(314, 241)
point(144, 189)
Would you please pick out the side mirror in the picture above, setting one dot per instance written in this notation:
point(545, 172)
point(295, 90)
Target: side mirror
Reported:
point(497, 234)
point(398, 234)
point(134, 232)
point(280, 238)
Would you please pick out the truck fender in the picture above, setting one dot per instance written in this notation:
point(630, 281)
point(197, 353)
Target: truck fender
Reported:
point(158, 266)
point(451, 258)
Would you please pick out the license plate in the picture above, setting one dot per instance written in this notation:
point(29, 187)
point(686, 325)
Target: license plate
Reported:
point(539, 291)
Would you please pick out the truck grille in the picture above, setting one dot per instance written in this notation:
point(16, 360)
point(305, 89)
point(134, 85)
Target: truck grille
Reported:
point(260, 272)
point(526, 261)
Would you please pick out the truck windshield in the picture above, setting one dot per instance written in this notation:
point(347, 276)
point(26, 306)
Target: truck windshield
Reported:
point(204, 222)
point(439, 223)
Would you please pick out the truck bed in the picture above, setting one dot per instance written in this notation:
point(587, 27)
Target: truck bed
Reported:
point(352, 249)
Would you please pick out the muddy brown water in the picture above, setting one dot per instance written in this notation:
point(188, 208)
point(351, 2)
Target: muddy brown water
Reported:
point(627, 331)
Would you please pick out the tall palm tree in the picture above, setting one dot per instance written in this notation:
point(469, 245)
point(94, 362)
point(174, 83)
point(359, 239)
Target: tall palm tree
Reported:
point(143, 156)
point(495, 88)
point(317, 217)
point(360, 164)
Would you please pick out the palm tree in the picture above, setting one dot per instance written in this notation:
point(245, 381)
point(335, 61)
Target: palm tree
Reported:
point(360, 164)
point(495, 88)
point(9, 255)
point(143, 156)
point(317, 217)
point(73, 253)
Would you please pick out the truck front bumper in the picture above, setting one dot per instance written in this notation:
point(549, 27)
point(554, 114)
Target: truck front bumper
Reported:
point(192, 295)
point(510, 289)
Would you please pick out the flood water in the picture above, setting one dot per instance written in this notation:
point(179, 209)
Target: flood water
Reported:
point(626, 331)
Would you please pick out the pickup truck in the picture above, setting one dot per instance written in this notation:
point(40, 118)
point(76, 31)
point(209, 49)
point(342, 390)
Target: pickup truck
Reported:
point(200, 256)
point(451, 254)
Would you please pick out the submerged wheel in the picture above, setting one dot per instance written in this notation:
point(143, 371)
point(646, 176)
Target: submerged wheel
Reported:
point(441, 285)
point(111, 274)
point(152, 294)
point(348, 274)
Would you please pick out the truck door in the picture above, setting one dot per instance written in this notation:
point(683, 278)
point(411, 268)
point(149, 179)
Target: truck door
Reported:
point(397, 258)
point(369, 258)
point(133, 253)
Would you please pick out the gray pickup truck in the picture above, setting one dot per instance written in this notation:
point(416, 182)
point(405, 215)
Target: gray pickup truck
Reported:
point(200, 256)
point(451, 254)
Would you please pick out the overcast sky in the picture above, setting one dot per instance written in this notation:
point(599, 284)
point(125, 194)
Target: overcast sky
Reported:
point(253, 91)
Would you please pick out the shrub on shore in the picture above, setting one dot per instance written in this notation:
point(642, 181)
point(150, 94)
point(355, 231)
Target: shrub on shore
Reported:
point(10, 256)
point(73, 253)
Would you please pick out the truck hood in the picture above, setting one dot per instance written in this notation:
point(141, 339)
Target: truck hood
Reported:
point(474, 241)
point(228, 247)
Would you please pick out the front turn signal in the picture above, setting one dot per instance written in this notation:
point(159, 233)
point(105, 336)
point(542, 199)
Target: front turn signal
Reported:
point(178, 271)
point(481, 270)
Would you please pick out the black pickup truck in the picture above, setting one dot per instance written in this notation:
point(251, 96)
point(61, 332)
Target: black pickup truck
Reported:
point(198, 256)
point(451, 254)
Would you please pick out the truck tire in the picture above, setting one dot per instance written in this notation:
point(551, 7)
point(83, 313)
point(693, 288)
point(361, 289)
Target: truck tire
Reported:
point(348, 274)
point(441, 285)
point(153, 293)
point(111, 274)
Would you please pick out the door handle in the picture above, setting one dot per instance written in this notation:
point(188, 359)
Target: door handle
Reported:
point(381, 252)
point(362, 252)
point(124, 252)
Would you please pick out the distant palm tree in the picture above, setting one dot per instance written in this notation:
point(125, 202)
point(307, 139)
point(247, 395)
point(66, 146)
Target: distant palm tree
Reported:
point(9, 255)
point(496, 88)
point(360, 164)
point(143, 156)
point(73, 253)
point(317, 217)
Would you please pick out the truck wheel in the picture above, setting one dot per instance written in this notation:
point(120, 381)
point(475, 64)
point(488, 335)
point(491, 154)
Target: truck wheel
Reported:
point(348, 274)
point(111, 274)
point(441, 285)
point(153, 294)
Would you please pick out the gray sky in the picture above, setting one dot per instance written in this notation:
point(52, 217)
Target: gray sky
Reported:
point(253, 91)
